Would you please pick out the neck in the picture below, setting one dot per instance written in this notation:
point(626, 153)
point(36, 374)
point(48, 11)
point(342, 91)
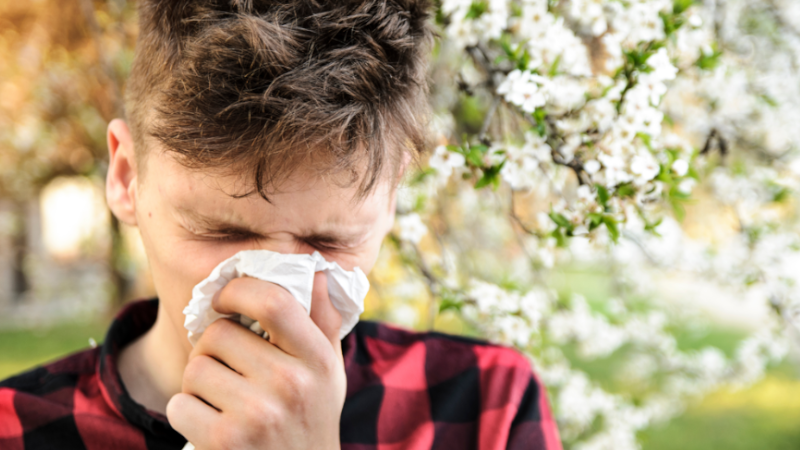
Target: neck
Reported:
point(152, 366)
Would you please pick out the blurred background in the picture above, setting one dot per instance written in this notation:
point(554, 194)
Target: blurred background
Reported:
point(67, 265)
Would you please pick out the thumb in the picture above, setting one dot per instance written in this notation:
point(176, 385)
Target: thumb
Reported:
point(323, 313)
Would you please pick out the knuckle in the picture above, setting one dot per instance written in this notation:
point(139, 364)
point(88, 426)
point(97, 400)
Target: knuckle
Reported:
point(235, 287)
point(261, 415)
point(278, 302)
point(194, 370)
point(176, 408)
point(225, 435)
point(218, 330)
point(297, 383)
point(327, 364)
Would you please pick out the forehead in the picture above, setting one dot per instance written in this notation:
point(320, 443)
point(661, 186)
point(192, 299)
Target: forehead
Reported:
point(304, 200)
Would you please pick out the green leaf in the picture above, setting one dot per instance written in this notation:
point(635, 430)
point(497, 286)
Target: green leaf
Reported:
point(626, 190)
point(710, 61)
point(602, 195)
point(611, 226)
point(450, 304)
point(475, 157)
point(524, 60)
point(477, 9)
point(780, 193)
point(646, 140)
point(680, 6)
point(422, 175)
point(554, 68)
point(540, 116)
point(769, 100)
point(672, 23)
point(651, 226)
point(678, 195)
point(664, 174)
point(558, 234)
point(678, 209)
point(673, 154)
point(485, 180)
point(505, 44)
point(560, 220)
point(481, 148)
point(595, 220)
point(475, 153)
point(491, 176)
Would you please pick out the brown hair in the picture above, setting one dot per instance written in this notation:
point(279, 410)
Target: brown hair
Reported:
point(266, 86)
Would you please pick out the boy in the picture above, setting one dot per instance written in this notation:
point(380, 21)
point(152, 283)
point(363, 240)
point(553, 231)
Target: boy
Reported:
point(278, 125)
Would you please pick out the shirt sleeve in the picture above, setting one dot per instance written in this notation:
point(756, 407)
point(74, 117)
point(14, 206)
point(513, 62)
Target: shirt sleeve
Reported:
point(515, 413)
point(533, 425)
point(10, 426)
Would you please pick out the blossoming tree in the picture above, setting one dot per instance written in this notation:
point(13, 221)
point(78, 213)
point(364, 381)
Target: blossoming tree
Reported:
point(567, 132)
point(580, 132)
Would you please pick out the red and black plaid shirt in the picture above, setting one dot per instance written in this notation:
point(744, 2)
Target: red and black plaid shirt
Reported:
point(404, 391)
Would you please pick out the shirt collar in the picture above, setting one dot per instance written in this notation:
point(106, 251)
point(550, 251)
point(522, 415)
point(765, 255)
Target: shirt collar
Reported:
point(131, 323)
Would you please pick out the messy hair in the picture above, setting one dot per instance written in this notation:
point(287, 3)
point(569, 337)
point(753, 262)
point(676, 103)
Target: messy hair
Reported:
point(266, 86)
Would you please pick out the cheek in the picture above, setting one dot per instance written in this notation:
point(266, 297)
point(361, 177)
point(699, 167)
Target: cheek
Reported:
point(366, 259)
point(178, 264)
point(183, 264)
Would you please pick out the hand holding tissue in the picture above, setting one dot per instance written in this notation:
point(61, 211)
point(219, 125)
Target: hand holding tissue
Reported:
point(293, 272)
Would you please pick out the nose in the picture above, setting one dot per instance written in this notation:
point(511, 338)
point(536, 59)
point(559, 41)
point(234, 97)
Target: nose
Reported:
point(323, 313)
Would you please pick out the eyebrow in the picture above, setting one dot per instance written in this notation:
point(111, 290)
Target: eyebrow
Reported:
point(223, 227)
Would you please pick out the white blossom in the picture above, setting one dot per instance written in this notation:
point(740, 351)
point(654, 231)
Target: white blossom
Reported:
point(587, 178)
point(662, 67)
point(644, 167)
point(523, 89)
point(411, 228)
point(444, 161)
point(680, 167)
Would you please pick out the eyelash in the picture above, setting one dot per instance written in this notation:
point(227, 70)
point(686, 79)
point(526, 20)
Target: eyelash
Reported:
point(244, 238)
point(231, 238)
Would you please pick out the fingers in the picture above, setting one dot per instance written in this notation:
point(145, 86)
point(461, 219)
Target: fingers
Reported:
point(209, 380)
point(323, 313)
point(192, 418)
point(237, 347)
point(288, 324)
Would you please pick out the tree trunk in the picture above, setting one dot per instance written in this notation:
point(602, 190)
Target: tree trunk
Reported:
point(19, 244)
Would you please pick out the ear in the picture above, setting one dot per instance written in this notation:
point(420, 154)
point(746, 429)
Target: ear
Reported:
point(121, 177)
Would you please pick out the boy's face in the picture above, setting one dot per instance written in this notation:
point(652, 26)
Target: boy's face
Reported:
point(190, 221)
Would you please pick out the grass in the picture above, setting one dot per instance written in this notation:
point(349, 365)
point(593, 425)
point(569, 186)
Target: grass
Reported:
point(24, 349)
point(764, 417)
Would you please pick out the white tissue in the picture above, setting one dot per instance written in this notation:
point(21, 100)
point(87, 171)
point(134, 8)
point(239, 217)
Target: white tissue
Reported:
point(295, 273)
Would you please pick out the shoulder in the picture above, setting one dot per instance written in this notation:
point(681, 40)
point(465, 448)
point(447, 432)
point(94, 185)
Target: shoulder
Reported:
point(481, 392)
point(439, 356)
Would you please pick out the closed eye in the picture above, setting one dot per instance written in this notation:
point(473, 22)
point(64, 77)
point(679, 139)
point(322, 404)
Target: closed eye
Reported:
point(230, 237)
point(323, 246)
